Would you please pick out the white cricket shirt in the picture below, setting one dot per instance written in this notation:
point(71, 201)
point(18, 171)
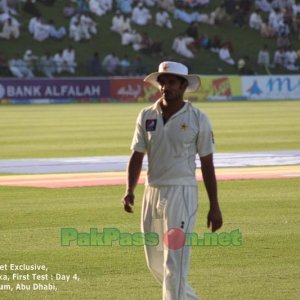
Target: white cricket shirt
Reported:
point(172, 147)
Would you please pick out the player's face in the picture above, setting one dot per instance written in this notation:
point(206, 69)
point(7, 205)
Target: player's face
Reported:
point(172, 87)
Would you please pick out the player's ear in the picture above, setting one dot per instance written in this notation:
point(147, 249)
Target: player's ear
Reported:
point(185, 84)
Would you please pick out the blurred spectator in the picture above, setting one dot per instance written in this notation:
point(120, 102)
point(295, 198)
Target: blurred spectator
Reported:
point(255, 20)
point(266, 30)
point(117, 22)
point(130, 37)
point(141, 15)
point(182, 45)
point(148, 46)
point(220, 15)
point(275, 18)
point(263, 58)
point(162, 19)
point(290, 60)
point(30, 59)
point(283, 41)
point(124, 65)
point(19, 68)
point(167, 5)
point(205, 41)
point(88, 26)
point(95, 68)
point(10, 29)
point(278, 58)
point(100, 7)
point(41, 31)
point(56, 33)
point(81, 27)
point(47, 65)
point(224, 55)
point(33, 22)
point(82, 6)
point(69, 58)
point(263, 5)
point(110, 63)
point(196, 3)
point(59, 62)
point(125, 6)
point(186, 17)
point(75, 32)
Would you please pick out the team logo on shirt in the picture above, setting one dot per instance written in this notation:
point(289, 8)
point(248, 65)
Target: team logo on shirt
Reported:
point(151, 124)
point(183, 126)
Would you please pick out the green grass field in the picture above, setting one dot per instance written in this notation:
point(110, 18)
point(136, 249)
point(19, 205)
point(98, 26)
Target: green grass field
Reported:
point(106, 129)
point(265, 266)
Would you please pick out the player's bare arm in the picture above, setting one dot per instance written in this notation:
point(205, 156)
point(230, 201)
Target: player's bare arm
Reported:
point(214, 217)
point(133, 173)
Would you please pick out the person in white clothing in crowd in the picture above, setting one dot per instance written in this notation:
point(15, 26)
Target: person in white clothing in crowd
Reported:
point(59, 63)
point(19, 68)
point(255, 20)
point(30, 59)
point(224, 55)
point(162, 19)
point(56, 33)
point(33, 22)
point(41, 31)
point(117, 22)
point(130, 38)
point(68, 55)
point(279, 58)
point(88, 26)
point(275, 18)
point(263, 58)
point(100, 7)
point(263, 5)
point(291, 59)
point(82, 27)
point(47, 65)
point(172, 133)
point(167, 5)
point(181, 46)
point(141, 15)
point(110, 63)
point(11, 29)
point(75, 32)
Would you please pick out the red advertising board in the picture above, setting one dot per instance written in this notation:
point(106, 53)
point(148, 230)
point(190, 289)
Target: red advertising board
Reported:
point(132, 90)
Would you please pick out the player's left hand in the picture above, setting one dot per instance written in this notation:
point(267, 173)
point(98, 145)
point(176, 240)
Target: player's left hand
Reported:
point(214, 219)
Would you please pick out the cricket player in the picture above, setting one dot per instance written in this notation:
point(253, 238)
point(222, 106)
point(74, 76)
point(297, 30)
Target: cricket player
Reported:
point(172, 132)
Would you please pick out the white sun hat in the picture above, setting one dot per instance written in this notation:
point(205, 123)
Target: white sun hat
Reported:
point(178, 69)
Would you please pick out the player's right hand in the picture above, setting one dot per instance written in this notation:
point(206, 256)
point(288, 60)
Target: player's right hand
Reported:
point(128, 202)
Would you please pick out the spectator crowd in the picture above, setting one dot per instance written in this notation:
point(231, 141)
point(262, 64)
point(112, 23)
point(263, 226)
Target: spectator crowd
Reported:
point(273, 20)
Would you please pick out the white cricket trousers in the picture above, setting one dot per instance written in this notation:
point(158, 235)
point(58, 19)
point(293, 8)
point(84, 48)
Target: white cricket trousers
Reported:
point(167, 207)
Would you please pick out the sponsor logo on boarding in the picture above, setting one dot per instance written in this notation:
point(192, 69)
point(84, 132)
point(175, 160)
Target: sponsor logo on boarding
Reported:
point(151, 124)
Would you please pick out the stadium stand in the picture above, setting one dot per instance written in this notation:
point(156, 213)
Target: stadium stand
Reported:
point(228, 22)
